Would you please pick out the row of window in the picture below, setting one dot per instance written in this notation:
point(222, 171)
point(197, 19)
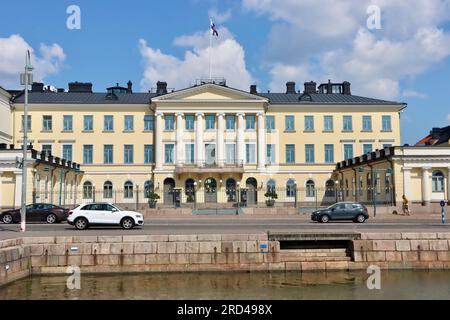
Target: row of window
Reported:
point(210, 123)
point(210, 153)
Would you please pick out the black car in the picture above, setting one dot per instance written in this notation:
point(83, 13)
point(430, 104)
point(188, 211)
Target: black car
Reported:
point(38, 212)
point(353, 211)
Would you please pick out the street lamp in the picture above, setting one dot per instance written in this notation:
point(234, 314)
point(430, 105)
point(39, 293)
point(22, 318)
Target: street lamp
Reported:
point(195, 195)
point(25, 79)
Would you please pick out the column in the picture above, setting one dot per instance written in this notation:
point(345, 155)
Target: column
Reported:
point(159, 152)
point(240, 138)
point(199, 156)
point(18, 190)
point(448, 184)
point(179, 138)
point(407, 182)
point(426, 186)
point(1, 186)
point(261, 142)
point(220, 141)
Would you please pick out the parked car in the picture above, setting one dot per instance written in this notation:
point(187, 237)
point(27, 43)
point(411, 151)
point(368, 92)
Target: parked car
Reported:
point(353, 211)
point(103, 214)
point(38, 212)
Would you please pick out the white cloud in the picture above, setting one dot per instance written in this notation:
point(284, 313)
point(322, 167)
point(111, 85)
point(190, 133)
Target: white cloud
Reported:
point(228, 61)
point(331, 40)
point(12, 60)
point(414, 94)
point(220, 17)
point(448, 117)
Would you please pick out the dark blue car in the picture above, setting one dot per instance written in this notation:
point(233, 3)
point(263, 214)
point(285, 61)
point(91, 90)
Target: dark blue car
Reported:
point(352, 211)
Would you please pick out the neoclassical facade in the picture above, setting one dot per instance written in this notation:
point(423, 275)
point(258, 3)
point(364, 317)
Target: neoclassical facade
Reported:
point(208, 142)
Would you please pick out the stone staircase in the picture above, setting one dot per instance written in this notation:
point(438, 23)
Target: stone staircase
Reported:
point(314, 255)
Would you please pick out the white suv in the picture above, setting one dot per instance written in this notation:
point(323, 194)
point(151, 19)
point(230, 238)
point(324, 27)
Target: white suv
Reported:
point(95, 214)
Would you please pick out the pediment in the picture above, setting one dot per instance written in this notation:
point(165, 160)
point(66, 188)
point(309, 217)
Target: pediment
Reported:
point(209, 92)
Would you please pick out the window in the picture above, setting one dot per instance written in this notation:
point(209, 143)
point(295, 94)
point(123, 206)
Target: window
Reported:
point(190, 122)
point(309, 123)
point(329, 153)
point(361, 185)
point(354, 186)
point(169, 122)
point(310, 189)
point(438, 181)
point(250, 153)
point(67, 152)
point(309, 153)
point(230, 150)
point(169, 153)
point(87, 190)
point(367, 148)
point(250, 122)
point(270, 153)
point(47, 123)
point(210, 122)
point(336, 89)
point(270, 122)
point(88, 154)
point(230, 122)
point(47, 148)
point(271, 186)
point(189, 187)
point(128, 153)
point(189, 152)
point(128, 190)
point(149, 153)
point(289, 123)
point(28, 122)
point(367, 123)
point(347, 123)
point(67, 123)
point(330, 189)
point(290, 153)
point(378, 183)
point(88, 123)
point(149, 122)
point(386, 123)
point(290, 188)
point(129, 123)
point(328, 123)
point(108, 123)
point(148, 187)
point(108, 154)
point(348, 151)
point(107, 190)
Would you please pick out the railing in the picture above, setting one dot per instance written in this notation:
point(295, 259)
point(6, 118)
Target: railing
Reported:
point(212, 164)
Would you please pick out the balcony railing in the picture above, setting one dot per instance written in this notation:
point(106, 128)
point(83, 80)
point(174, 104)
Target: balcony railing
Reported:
point(193, 166)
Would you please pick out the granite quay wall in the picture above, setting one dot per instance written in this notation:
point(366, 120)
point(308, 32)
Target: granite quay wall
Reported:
point(27, 256)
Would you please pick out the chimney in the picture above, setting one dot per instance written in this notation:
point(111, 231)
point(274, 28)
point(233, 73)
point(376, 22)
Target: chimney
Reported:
point(253, 89)
point(37, 87)
point(310, 87)
point(80, 87)
point(290, 87)
point(346, 88)
point(130, 86)
point(329, 87)
point(161, 88)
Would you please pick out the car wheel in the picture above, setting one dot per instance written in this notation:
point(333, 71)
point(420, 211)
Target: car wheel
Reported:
point(325, 218)
point(7, 218)
point(51, 218)
point(360, 218)
point(127, 223)
point(81, 223)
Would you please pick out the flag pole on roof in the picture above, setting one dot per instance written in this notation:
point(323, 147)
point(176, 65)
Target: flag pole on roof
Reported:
point(213, 33)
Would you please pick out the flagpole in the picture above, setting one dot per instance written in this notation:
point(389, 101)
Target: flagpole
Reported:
point(210, 49)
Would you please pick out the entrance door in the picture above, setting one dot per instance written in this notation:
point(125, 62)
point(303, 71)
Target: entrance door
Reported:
point(231, 190)
point(252, 193)
point(169, 185)
point(210, 190)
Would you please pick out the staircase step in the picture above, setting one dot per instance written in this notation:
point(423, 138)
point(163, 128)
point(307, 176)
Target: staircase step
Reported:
point(314, 259)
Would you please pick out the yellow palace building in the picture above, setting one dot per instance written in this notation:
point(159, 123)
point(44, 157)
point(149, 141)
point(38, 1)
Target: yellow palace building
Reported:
point(206, 145)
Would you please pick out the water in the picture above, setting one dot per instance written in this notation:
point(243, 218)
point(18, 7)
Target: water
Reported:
point(422, 285)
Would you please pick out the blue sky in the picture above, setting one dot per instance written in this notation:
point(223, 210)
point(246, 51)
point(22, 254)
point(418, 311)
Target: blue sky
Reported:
point(267, 42)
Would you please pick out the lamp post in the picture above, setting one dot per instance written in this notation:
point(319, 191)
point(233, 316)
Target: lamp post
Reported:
point(195, 195)
point(26, 79)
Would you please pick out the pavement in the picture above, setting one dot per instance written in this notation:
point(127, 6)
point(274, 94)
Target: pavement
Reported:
point(239, 225)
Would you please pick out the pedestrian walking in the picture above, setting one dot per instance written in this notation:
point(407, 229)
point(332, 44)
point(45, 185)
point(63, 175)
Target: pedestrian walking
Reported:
point(406, 206)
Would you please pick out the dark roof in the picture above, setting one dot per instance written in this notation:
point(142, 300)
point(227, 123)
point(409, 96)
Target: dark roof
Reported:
point(322, 98)
point(437, 136)
point(85, 98)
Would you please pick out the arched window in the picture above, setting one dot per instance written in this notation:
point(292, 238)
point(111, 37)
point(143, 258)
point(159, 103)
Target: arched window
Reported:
point(387, 184)
point(148, 188)
point(107, 190)
point(231, 190)
point(378, 183)
point(290, 188)
point(128, 190)
point(87, 190)
point(330, 189)
point(354, 186)
point(438, 181)
point(189, 190)
point(310, 189)
point(271, 186)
